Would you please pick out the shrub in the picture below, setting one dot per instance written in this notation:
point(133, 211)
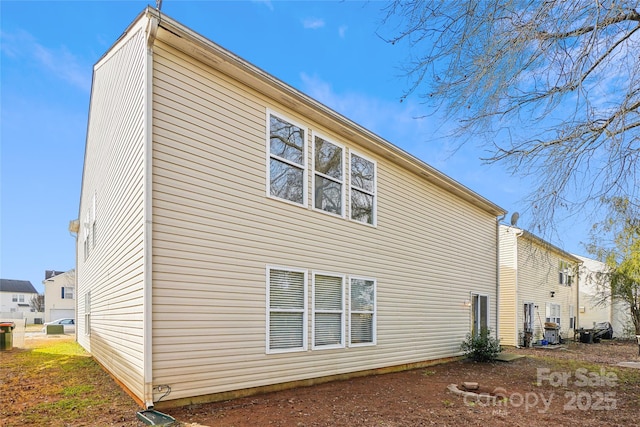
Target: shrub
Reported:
point(481, 347)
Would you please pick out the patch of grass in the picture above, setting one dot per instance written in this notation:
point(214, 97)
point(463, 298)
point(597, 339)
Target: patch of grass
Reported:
point(428, 373)
point(75, 390)
point(59, 384)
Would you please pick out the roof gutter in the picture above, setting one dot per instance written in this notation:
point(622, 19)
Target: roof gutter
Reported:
point(199, 47)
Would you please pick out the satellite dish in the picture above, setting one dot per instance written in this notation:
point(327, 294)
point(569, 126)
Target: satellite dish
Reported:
point(514, 218)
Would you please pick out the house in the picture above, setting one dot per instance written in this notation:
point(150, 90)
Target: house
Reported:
point(236, 236)
point(15, 296)
point(593, 308)
point(538, 292)
point(59, 294)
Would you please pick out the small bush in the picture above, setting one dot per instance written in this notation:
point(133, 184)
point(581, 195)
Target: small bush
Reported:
point(482, 347)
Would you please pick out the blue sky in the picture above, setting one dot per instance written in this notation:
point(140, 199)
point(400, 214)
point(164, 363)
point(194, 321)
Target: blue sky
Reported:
point(48, 50)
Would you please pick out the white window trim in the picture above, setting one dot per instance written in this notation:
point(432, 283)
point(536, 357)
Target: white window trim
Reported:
point(87, 313)
point(305, 312)
point(315, 134)
point(549, 309)
point(305, 156)
point(313, 312)
point(374, 328)
point(478, 294)
point(375, 189)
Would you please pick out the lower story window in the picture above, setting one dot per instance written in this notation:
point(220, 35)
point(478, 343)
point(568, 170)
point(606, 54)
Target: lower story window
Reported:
point(479, 313)
point(287, 310)
point(362, 318)
point(552, 313)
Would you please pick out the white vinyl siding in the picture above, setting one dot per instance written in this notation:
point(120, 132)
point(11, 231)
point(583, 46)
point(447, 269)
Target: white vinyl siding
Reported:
point(328, 323)
point(287, 160)
point(362, 313)
point(328, 176)
point(214, 231)
point(287, 310)
point(363, 174)
point(114, 169)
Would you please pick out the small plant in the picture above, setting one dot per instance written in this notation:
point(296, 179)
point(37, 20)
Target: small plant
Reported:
point(428, 373)
point(481, 347)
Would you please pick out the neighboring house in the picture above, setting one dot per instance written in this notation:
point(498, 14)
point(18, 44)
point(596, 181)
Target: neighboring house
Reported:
point(59, 295)
point(538, 285)
point(594, 307)
point(16, 295)
point(237, 236)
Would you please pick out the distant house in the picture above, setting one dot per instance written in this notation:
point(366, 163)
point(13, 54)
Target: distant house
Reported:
point(16, 295)
point(237, 236)
point(594, 307)
point(59, 294)
point(538, 286)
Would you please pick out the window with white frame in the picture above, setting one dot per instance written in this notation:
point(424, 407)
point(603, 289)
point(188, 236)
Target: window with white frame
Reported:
point(287, 160)
point(552, 313)
point(479, 314)
point(363, 189)
point(14, 298)
point(328, 176)
point(565, 273)
point(93, 221)
point(21, 298)
point(67, 292)
point(87, 313)
point(362, 313)
point(328, 311)
point(572, 319)
point(287, 310)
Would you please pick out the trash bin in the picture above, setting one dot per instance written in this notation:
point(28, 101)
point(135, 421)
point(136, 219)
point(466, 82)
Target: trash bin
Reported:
point(6, 335)
point(586, 337)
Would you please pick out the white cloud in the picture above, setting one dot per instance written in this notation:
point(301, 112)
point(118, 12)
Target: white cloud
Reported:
point(313, 23)
point(57, 62)
point(267, 3)
point(342, 31)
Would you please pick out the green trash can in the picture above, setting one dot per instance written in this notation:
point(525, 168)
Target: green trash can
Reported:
point(6, 335)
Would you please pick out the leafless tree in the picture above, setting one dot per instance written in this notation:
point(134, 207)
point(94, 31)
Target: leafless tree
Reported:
point(550, 88)
point(37, 303)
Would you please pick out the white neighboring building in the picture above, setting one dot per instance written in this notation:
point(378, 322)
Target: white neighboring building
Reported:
point(591, 312)
point(16, 295)
point(59, 294)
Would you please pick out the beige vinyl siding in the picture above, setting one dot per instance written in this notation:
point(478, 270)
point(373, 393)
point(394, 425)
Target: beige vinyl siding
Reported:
point(215, 230)
point(113, 171)
point(537, 277)
point(507, 299)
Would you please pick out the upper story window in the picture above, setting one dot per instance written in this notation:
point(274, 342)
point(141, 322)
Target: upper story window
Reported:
point(67, 292)
point(287, 160)
point(363, 189)
point(328, 176)
point(565, 273)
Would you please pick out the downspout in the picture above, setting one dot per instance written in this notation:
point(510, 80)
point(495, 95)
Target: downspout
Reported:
point(147, 310)
point(498, 219)
point(515, 259)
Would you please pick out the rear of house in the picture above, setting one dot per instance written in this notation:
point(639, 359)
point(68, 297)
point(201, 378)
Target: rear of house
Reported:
point(538, 287)
point(237, 236)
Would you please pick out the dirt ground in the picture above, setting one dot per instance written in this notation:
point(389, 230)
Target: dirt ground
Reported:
point(580, 384)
